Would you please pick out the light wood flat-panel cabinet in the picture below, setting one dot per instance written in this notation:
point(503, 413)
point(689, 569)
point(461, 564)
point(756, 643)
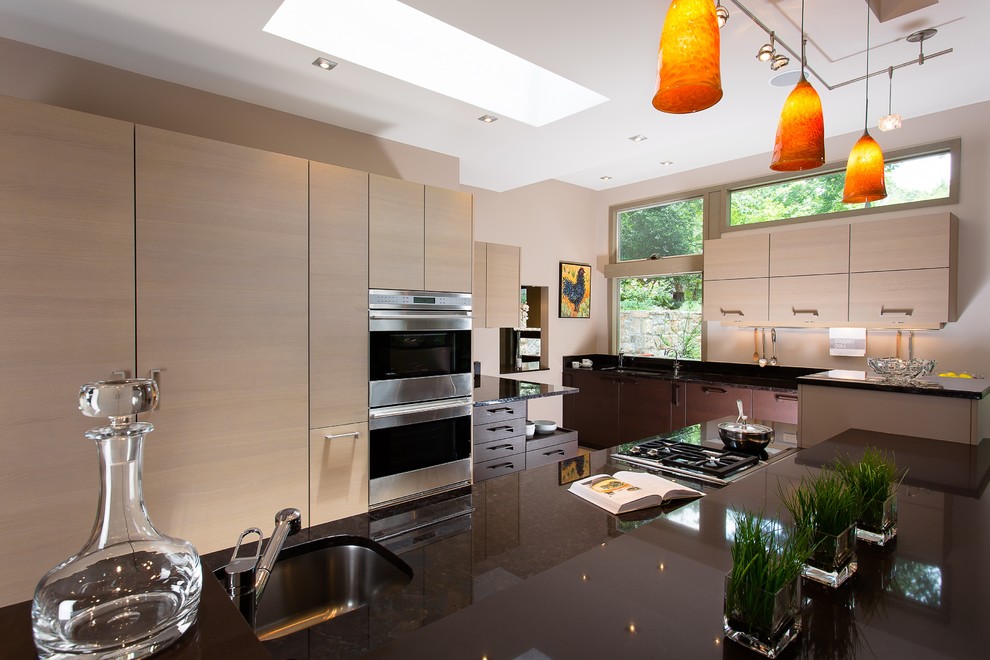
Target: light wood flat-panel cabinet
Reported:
point(927, 241)
point(745, 301)
point(420, 236)
point(338, 472)
point(449, 240)
point(66, 318)
point(810, 251)
point(338, 295)
point(810, 298)
point(479, 285)
point(221, 284)
point(902, 296)
point(502, 286)
point(396, 234)
point(738, 257)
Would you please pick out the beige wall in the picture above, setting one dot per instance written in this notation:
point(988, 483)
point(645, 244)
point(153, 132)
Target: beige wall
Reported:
point(963, 345)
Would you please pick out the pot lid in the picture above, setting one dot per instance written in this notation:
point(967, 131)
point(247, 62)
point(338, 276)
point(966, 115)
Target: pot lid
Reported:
point(742, 427)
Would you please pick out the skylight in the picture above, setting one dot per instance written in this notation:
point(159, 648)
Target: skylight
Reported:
point(399, 41)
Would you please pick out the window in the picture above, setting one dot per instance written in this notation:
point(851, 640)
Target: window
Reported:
point(660, 313)
point(663, 230)
point(913, 178)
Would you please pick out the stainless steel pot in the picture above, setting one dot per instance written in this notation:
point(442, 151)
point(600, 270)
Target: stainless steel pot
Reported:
point(743, 436)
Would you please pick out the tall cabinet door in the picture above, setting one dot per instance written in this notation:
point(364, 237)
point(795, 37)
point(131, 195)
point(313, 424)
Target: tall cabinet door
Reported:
point(222, 311)
point(449, 240)
point(396, 233)
point(66, 318)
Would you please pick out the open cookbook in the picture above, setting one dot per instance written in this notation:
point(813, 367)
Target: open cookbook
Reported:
point(630, 491)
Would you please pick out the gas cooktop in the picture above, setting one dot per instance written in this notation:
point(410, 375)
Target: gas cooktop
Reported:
point(697, 453)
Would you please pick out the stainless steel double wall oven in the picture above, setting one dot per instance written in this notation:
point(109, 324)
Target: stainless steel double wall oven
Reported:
point(420, 393)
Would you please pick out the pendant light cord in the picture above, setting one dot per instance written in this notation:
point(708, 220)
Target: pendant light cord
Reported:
point(866, 113)
point(804, 57)
point(890, 87)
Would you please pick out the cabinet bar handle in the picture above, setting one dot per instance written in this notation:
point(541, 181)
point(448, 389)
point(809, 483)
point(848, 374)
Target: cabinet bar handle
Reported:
point(899, 312)
point(497, 447)
point(813, 312)
point(716, 390)
point(785, 397)
point(495, 411)
point(555, 451)
point(121, 374)
point(500, 428)
point(731, 312)
point(337, 436)
point(676, 392)
point(501, 465)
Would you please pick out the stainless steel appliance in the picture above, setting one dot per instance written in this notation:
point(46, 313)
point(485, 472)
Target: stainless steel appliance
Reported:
point(419, 448)
point(696, 452)
point(420, 346)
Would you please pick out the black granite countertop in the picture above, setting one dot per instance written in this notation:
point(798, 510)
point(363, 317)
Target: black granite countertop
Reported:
point(958, 388)
point(492, 389)
point(727, 373)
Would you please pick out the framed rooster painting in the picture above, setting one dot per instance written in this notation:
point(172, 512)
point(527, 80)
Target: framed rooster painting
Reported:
point(575, 290)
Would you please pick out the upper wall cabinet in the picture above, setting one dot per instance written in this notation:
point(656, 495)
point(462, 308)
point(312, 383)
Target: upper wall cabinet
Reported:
point(419, 237)
point(736, 257)
point(66, 318)
point(810, 251)
point(496, 287)
point(222, 234)
point(736, 279)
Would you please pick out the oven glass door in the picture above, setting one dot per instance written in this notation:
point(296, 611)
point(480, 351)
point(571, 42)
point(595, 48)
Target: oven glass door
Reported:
point(398, 354)
point(403, 447)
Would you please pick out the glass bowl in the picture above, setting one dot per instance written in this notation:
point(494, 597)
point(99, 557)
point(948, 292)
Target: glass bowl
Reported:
point(893, 368)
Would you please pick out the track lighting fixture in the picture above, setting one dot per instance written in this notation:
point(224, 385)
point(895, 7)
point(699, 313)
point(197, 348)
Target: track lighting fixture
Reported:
point(779, 61)
point(766, 52)
point(721, 14)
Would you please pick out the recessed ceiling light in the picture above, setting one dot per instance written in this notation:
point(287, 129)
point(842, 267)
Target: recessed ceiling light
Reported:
point(402, 42)
point(488, 118)
point(638, 138)
point(324, 63)
point(605, 178)
point(665, 163)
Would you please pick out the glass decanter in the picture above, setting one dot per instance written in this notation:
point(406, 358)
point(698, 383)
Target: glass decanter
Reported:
point(130, 591)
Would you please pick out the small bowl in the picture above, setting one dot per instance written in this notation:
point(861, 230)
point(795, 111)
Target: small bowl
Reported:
point(545, 426)
point(530, 429)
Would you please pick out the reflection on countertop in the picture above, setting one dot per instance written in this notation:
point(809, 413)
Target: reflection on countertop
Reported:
point(492, 389)
point(959, 388)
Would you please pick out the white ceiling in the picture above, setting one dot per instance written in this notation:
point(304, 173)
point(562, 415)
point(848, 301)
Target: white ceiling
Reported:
point(219, 46)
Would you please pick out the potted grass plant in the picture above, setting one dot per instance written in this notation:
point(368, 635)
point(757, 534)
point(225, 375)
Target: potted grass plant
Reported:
point(825, 508)
point(761, 591)
point(874, 481)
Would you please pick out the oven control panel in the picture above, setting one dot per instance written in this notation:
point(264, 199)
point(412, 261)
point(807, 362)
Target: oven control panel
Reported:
point(426, 300)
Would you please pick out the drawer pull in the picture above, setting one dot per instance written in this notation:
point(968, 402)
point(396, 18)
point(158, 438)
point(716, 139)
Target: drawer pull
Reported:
point(785, 397)
point(796, 312)
point(555, 451)
point(900, 312)
point(497, 447)
point(713, 390)
point(495, 411)
point(731, 312)
point(676, 394)
point(499, 428)
point(500, 466)
point(337, 436)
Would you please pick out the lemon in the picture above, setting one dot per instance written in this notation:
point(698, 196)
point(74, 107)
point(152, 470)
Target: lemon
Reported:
point(965, 375)
point(948, 374)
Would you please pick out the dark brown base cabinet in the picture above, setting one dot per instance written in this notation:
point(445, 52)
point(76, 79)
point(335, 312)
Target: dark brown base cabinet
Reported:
point(611, 409)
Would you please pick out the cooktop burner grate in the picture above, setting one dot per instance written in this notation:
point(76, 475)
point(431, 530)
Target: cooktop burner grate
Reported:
point(709, 461)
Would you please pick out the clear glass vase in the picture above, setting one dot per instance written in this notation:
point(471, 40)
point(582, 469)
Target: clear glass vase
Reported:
point(878, 521)
point(763, 621)
point(130, 591)
point(833, 560)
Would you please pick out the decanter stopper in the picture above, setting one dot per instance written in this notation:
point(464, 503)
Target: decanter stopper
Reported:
point(118, 399)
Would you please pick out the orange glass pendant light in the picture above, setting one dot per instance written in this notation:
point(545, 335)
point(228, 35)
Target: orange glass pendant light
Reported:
point(865, 181)
point(688, 75)
point(800, 141)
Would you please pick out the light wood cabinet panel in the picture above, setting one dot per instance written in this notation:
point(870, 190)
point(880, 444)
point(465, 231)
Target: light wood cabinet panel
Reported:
point(502, 286)
point(745, 301)
point(810, 251)
point(221, 284)
point(338, 295)
point(810, 298)
point(338, 472)
point(66, 318)
point(738, 257)
point(927, 241)
point(905, 296)
point(449, 240)
point(479, 285)
point(396, 234)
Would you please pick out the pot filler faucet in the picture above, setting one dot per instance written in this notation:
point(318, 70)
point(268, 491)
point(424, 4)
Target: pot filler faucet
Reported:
point(677, 365)
point(247, 576)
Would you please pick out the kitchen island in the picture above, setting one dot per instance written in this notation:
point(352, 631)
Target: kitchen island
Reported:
point(534, 570)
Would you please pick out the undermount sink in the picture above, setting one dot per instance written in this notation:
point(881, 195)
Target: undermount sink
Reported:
point(316, 581)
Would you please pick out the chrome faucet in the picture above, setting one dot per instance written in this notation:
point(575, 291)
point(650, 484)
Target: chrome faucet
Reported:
point(622, 357)
point(247, 576)
point(677, 364)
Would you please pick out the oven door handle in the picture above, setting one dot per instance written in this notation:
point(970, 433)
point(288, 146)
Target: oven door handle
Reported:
point(414, 413)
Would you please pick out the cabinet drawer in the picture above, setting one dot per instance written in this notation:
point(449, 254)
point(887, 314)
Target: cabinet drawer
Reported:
point(706, 402)
point(553, 454)
point(775, 405)
point(745, 300)
point(338, 472)
point(811, 298)
point(499, 430)
point(499, 466)
point(542, 441)
point(499, 448)
point(907, 296)
point(499, 412)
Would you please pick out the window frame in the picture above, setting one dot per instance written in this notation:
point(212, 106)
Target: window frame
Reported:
point(953, 147)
